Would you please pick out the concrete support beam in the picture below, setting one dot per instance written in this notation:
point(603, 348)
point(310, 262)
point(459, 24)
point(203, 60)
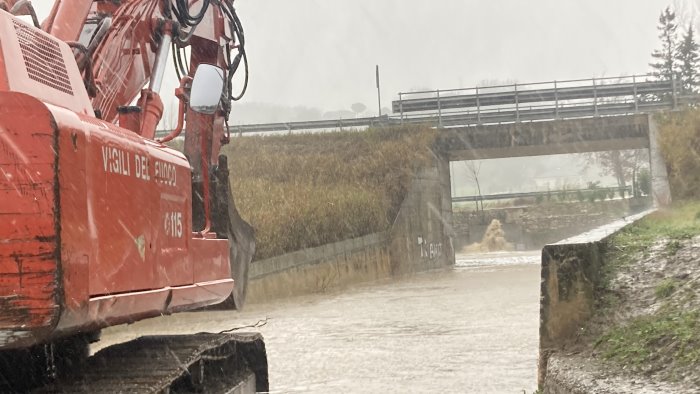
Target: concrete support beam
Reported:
point(546, 138)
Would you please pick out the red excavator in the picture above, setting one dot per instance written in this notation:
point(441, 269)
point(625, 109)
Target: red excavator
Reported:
point(101, 223)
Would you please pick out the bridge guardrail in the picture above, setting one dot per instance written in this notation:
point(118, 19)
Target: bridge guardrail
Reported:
point(591, 97)
point(506, 196)
point(522, 103)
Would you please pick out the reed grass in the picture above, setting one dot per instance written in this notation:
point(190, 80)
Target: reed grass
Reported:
point(305, 190)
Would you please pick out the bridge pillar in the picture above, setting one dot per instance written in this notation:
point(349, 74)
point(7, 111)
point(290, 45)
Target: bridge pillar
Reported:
point(660, 188)
point(422, 235)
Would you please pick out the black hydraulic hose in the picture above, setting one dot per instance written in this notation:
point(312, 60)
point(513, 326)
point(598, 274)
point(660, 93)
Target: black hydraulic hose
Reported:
point(175, 52)
point(245, 83)
point(184, 16)
point(180, 10)
point(168, 9)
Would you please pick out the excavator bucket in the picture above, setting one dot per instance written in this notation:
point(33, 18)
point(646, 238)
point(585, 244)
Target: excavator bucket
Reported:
point(241, 236)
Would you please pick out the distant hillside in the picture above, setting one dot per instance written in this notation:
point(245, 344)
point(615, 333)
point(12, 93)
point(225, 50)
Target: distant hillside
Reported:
point(307, 190)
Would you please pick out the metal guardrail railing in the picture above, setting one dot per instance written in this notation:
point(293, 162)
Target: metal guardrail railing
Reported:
point(311, 125)
point(552, 193)
point(591, 96)
point(510, 104)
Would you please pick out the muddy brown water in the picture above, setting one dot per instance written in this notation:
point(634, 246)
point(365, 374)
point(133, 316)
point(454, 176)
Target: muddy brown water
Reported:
point(472, 329)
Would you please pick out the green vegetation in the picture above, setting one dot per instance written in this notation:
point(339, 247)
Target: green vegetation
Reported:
point(666, 337)
point(679, 140)
point(307, 190)
point(675, 225)
point(665, 288)
point(671, 335)
point(644, 182)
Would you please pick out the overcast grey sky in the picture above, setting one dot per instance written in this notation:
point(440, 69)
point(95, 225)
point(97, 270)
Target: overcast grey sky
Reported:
point(322, 53)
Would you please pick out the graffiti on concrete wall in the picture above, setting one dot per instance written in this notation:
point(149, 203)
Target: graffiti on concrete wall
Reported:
point(429, 250)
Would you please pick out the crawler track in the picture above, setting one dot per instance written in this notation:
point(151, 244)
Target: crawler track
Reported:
point(208, 363)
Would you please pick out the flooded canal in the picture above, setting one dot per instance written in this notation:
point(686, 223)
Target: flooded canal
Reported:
point(473, 329)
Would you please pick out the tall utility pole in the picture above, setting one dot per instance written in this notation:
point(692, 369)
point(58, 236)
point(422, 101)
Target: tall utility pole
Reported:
point(379, 93)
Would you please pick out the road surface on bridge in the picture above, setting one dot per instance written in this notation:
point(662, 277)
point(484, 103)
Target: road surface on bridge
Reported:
point(470, 329)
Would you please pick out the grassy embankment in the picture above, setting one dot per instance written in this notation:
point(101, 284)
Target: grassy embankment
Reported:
point(306, 190)
point(665, 338)
point(670, 336)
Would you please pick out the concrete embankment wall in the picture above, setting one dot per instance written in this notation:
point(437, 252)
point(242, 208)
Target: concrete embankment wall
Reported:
point(315, 270)
point(570, 273)
point(420, 239)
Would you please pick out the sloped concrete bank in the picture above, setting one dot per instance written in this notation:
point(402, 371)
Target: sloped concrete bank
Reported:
point(570, 273)
point(318, 269)
point(420, 239)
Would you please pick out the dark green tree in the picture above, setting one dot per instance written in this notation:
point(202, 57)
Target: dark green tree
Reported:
point(644, 181)
point(687, 57)
point(665, 64)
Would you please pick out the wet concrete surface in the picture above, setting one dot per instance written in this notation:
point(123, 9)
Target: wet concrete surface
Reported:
point(472, 329)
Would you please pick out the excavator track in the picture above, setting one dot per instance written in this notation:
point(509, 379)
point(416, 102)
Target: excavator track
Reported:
point(207, 363)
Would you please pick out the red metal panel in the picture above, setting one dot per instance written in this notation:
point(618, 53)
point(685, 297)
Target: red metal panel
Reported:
point(171, 177)
point(128, 188)
point(207, 293)
point(29, 295)
point(76, 236)
point(129, 215)
point(127, 307)
point(210, 258)
point(121, 206)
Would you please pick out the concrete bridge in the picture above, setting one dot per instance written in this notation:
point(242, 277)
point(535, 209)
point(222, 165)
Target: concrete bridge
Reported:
point(556, 117)
point(517, 103)
point(549, 118)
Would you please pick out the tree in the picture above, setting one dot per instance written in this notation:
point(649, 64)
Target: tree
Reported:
point(644, 182)
point(687, 57)
point(474, 167)
point(665, 67)
point(623, 165)
point(358, 108)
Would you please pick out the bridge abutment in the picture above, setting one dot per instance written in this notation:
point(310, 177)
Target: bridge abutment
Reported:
point(661, 190)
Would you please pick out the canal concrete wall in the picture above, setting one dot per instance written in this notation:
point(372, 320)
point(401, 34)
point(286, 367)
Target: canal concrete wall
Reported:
point(570, 273)
point(420, 239)
point(318, 269)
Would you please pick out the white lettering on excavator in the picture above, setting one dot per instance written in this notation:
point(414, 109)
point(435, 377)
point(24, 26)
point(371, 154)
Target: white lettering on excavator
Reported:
point(173, 224)
point(165, 173)
point(142, 167)
point(116, 161)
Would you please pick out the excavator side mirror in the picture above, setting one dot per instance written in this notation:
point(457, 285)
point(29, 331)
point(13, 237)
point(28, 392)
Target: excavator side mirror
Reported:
point(207, 87)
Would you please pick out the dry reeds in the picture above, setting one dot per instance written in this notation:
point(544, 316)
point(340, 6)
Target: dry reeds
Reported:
point(306, 190)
